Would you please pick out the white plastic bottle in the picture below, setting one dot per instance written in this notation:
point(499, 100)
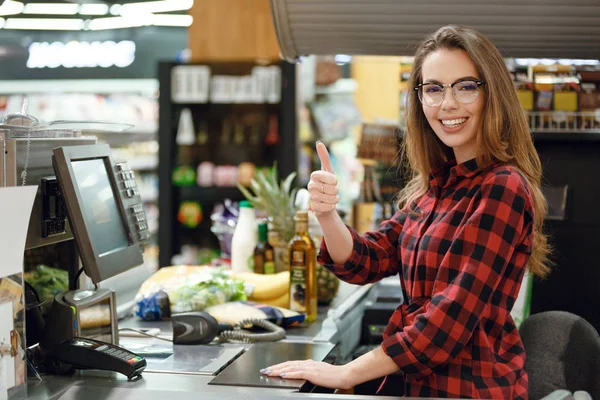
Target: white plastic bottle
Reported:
point(244, 240)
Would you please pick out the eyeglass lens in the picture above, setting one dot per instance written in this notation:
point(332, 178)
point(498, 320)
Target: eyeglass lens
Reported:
point(464, 92)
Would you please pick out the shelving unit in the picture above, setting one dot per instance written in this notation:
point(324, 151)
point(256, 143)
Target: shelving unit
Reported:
point(218, 122)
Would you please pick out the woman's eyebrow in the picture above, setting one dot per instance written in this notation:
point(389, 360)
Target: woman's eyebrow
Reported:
point(465, 78)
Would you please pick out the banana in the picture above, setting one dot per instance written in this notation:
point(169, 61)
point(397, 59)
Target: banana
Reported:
point(282, 301)
point(266, 287)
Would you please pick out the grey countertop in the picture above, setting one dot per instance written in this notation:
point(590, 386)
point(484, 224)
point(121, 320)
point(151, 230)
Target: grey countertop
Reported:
point(92, 385)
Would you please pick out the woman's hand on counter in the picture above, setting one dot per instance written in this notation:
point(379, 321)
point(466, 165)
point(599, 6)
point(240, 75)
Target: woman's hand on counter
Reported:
point(318, 373)
point(369, 366)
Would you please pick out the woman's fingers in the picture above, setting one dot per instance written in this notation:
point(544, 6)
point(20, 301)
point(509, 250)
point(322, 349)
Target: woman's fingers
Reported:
point(316, 188)
point(323, 187)
point(324, 158)
point(324, 177)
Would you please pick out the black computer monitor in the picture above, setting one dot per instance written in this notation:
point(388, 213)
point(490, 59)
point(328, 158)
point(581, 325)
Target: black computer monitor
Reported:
point(102, 208)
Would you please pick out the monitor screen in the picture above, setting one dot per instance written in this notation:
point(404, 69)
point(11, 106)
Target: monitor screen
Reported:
point(103, 208)
point(106, 226)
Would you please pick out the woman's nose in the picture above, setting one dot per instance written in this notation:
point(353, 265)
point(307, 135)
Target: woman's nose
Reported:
point(448, 100)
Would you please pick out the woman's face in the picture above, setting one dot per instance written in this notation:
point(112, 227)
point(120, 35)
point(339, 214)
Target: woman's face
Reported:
point(455, 124)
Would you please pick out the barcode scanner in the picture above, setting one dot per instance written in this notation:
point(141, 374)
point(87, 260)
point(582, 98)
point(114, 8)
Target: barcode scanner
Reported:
point(199, 327)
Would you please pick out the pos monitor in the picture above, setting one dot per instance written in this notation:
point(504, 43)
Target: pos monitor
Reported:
point(103, 207)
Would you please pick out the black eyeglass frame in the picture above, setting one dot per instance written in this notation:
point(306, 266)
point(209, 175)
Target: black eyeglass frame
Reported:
point(479, 84)
point(449, 85)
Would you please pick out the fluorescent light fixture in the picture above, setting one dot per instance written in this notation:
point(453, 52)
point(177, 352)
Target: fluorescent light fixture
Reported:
point(343, 58)
point(93, 9)
point(156, 6)
point(115, 9)
point(3, 50)
point(49, 24)
point(172, 20)
point(51, 8)
point(99, 24)
point(10, 7)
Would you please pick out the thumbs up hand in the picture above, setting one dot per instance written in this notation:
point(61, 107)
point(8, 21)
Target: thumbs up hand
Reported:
point(323, 185)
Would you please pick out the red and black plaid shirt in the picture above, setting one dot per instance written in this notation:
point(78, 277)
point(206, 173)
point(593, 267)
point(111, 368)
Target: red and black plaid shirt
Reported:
point(461, 261)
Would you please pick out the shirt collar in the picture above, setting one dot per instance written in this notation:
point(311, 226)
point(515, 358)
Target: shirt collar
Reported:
point(450, 172)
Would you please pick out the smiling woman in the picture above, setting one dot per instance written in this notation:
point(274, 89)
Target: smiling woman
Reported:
point(454, 117)
point(468, 228)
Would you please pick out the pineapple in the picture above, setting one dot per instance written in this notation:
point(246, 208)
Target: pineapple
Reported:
point(275, 199)
point(327, 285)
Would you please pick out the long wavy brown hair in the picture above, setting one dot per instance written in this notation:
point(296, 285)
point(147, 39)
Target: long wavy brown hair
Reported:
point(504, 137)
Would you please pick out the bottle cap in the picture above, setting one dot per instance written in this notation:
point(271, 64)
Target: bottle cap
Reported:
point(263, 228)
point(245, 204)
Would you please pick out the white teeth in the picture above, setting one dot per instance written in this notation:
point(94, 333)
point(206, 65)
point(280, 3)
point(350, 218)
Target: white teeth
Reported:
point(451, 123)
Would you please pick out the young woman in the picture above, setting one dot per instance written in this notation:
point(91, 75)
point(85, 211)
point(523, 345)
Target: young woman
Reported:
point(470, 224)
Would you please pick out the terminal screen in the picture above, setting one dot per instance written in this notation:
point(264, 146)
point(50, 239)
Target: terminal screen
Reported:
point(99, 206)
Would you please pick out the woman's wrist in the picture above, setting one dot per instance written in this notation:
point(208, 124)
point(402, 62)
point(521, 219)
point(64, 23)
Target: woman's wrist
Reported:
point(349, 377)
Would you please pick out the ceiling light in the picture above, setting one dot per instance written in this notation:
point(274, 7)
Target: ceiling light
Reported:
point(156, 6)
point(58, 24)
point(99, 24)
point(10, 7)
point(51, 8)
point(172, 20)
point(115, 9)
point(93, 9)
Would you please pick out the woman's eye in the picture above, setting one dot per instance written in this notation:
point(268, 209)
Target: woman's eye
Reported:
point(432, 89)
point(468, 87)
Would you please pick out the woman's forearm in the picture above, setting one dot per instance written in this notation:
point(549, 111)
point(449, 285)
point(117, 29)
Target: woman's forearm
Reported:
point(372, 365)
point(337, 237)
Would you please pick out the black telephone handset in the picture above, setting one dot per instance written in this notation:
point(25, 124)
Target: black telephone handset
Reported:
point(83, 353)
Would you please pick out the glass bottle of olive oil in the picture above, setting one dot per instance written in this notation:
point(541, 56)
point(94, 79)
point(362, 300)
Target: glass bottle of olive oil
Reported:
point(303, 269)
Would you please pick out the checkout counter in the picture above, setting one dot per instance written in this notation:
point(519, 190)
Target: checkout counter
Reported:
point(228, 370)
point(107, 233)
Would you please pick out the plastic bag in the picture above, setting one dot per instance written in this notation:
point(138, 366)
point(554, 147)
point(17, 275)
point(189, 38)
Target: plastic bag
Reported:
point(189, 288)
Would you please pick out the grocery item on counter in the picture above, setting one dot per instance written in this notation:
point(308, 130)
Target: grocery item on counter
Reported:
point(155, 307)
point(234, 312)
point(267, 289)
point(303, 269)
point(245, 238)
point(264, 258)
point(224, 217)
point(95, 316)
point(274, 198)
point(190, 288)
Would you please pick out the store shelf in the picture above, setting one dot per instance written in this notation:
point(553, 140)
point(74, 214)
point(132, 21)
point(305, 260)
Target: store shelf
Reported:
point(561, 136)
point(211, 194)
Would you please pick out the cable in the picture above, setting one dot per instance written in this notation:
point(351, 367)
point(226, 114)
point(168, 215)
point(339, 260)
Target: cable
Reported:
point(276, 332)
point(77, 277)
point(146, 334)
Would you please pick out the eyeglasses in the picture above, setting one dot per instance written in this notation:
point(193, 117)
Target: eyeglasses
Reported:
point(465, 92)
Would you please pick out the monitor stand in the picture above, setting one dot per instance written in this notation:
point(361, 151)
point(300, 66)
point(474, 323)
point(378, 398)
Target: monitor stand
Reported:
point(65, 320)
point(69, 344)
